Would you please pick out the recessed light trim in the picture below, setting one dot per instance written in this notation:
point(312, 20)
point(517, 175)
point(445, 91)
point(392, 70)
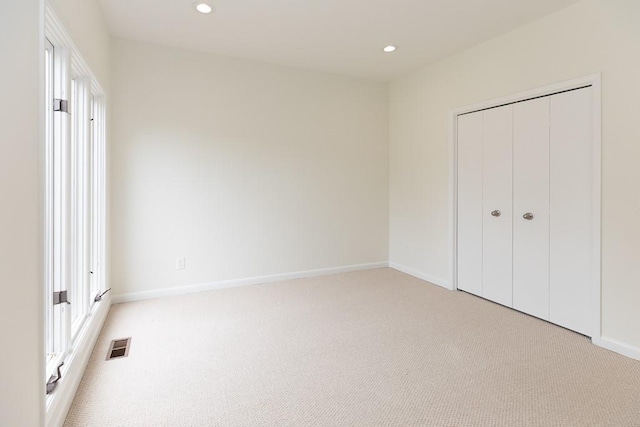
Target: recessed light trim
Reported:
point(389, 49)
point(203, 7)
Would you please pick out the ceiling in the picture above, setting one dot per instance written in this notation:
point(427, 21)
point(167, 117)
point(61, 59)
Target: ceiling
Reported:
point(337, 36)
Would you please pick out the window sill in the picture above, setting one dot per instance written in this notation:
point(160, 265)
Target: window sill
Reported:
point(59, 401)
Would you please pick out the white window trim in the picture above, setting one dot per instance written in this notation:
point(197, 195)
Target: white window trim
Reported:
point(48, 203)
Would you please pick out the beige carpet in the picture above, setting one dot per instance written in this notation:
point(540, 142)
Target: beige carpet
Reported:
point(372, 348)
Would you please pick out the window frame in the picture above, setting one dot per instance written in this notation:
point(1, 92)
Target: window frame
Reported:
point(74, 195)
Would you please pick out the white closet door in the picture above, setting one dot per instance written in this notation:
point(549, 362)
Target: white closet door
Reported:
point(531, 207)
point(470, 203)
point(571, 245)
point(497, 205)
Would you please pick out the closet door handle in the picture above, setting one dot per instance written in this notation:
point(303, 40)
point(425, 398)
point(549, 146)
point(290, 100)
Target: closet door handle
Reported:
point(528, 216)
point(496, 213)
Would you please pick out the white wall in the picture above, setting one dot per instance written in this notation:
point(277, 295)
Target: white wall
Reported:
point(588, 37)
point(246, 169)
point(21, 318)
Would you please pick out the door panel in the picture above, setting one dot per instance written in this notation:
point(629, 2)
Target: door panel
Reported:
point(470, 203)
point(571, 245)
point(531, 195)
point(497, 196)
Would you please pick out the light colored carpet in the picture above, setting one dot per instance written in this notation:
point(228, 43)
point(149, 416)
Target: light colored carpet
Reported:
point(372, 348)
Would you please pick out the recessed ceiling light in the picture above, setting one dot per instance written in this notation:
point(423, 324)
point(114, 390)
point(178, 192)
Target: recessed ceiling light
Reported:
point(203, 7)
point(389, 49)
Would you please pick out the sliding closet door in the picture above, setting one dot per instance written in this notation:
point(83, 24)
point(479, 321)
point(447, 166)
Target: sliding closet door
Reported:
point(531, 207)
point(571, 245)
point(470, 203)
point(497, 205)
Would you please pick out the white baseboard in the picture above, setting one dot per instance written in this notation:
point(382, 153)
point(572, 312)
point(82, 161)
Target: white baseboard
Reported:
point(618, 347)
point(59, 402)
point(423, 276)
point(189, 289)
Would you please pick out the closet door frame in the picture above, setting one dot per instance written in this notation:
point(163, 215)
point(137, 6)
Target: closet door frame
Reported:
point(593, 81)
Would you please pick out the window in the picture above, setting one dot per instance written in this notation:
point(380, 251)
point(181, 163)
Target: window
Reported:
point(74, 196)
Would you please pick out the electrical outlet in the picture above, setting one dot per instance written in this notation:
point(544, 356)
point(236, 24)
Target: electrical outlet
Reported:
point(180, 263)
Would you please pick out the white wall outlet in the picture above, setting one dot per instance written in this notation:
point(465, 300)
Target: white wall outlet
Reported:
point(180, 263)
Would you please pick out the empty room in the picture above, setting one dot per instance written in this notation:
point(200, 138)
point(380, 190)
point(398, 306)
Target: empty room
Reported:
point(320, 213)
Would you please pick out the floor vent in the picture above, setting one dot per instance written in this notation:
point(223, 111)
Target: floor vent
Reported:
point(119, 348)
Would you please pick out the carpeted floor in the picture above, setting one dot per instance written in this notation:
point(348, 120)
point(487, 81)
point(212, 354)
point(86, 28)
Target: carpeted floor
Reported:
point(371, 348)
